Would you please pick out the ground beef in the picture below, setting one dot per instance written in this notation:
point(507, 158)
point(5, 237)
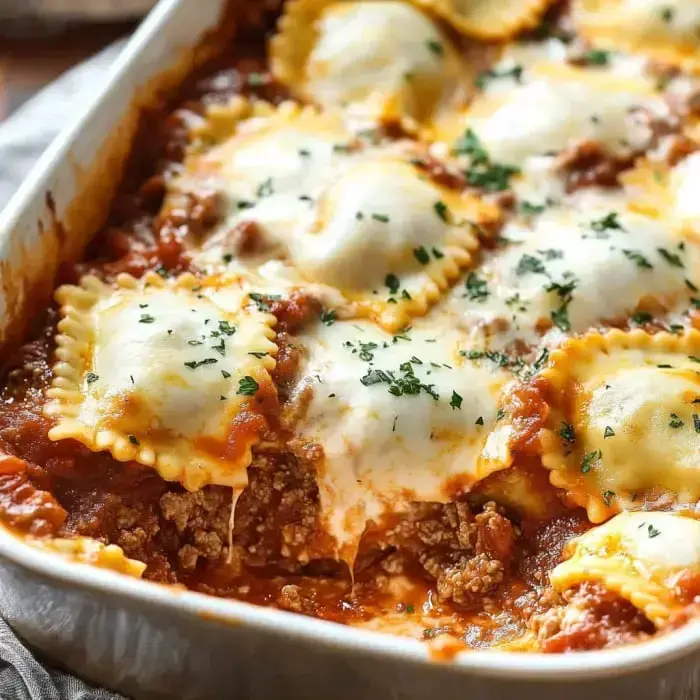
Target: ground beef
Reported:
point(590, 618)
point(467, 554)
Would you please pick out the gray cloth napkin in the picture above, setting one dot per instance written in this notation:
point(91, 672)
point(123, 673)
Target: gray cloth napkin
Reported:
point(23, 137)
point(23, 677)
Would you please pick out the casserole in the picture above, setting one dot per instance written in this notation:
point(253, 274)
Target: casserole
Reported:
point(150, 640)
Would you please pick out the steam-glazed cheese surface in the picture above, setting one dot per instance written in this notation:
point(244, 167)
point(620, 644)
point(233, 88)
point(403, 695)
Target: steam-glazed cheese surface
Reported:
point(394, 322)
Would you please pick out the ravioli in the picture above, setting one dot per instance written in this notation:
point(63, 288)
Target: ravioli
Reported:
point(666, 31)
point(569, 268)
point(400, 418)
point(485, 19)
point(670, 194)
point(380, 59)
point(641, 556)
point(366, 220)
point(87, 550)
point(553, 107)
point(171, 374)
point(623, 427)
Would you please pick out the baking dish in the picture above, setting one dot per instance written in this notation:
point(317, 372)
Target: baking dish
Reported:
point(151, 641)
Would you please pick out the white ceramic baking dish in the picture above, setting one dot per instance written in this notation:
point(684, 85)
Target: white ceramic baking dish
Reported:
point(148, 640)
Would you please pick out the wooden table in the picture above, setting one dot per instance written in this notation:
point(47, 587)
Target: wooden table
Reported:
point(32, 60)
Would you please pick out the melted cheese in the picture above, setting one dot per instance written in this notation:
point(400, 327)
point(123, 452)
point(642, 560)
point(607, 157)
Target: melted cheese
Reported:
point(668, 194)
point(665, 30)
point(359, 219)
point(559, 106)
point(400, 418)
point(570, 268)
point(640, 556)
point(379, 57)
point(630, 401)
point(169, 375)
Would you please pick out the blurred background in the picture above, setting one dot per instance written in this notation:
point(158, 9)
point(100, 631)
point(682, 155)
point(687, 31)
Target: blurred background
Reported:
point(41, 39)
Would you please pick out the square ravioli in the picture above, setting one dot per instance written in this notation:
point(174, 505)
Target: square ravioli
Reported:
point(174, 375)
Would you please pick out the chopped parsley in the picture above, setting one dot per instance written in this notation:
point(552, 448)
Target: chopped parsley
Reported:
point(529, 263)
point(696, 422)
point(441, 210)
point(382, 218)
point(133, 440)
point(671, 258)
point(328, 318)
point(435, 46)
point(479, 420)
point(265, 188)
point(492, 177)
point(91, 377)
point(636, 257)
point(516, 72)
point(531, 209)
point(247, 386)
point(477, 288)
point(675, 421)
point(596, 57)
point(146, 318)
point(226, 374)
point(652, 532)
point(609, 432)
point(402, 383)
point(641, 317)
point(201, 363)
point(456, 400)
point(589, 459)
point(393, 282)
point(421, 255)
point(567, 432)
point(608, 496)
point(608, 222)
point(262, 301)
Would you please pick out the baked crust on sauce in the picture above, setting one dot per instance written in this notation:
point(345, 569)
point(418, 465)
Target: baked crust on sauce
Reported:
point(171, 374)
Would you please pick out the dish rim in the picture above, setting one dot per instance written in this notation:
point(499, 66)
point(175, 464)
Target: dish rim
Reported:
point(530, 666)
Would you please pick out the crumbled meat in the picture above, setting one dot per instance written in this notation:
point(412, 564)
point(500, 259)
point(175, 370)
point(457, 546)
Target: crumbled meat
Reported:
point(469, 579)
point(591, 618)
point(588, 164)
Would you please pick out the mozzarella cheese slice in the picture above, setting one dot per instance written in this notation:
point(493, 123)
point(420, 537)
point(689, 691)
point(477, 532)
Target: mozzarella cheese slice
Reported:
point(641, 556)
point(171, 375)
point(379, 58)
point(623, 426)
point(400, 418)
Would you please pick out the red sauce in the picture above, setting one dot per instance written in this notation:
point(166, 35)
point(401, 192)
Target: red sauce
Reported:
point(469, 569)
